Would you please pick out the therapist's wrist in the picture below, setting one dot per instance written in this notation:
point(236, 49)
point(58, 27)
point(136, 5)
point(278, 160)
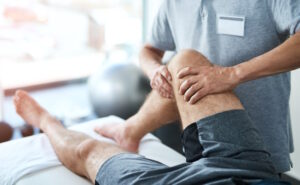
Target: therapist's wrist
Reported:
point(238, 74)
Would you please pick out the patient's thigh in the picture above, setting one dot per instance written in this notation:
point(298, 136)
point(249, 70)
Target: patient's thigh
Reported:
point(208, 105)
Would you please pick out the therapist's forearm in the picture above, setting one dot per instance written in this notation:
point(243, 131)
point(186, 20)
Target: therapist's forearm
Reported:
point(156, 111)
point(284, 58)
point(150, 59)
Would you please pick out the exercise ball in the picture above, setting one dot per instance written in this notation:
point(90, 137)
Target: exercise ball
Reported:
point(118, 89)
point(6, 132)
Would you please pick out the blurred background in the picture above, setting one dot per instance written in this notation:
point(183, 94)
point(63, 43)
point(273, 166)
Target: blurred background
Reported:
point(48, 44)
point(52, 34)
point(79, 59)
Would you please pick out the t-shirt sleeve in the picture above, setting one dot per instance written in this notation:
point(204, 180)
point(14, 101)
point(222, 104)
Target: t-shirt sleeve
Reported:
point(161, 35)
point(286, 15)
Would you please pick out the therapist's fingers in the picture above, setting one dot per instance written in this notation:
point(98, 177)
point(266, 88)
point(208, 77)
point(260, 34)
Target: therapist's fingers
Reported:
point(191, 91)
point(166, 89)
point(198, 96)
point(155, 81)
point(161, 84)
point(186, 84)
point(166, 74)
point(187, 71)
point(164, 93)
point(165, 84)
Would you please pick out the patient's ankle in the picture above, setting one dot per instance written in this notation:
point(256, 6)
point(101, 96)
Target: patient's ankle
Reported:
point(48, 120)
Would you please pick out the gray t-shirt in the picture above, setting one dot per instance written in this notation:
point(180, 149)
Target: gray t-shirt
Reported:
point(203, 25)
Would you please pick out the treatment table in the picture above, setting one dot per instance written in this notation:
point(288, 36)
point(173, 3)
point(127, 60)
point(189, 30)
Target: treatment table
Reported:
point(32, 161)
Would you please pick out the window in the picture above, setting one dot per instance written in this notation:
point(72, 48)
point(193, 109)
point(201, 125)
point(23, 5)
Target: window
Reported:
point(46, 41)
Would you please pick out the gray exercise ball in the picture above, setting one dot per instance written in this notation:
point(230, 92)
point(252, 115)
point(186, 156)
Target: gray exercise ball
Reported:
point(118, 89)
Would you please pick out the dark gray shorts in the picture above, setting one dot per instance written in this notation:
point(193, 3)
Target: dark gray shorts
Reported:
point(224, 148)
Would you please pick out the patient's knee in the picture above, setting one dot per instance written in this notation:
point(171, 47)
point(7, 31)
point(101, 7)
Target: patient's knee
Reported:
point(187, 58)
point(84, 149)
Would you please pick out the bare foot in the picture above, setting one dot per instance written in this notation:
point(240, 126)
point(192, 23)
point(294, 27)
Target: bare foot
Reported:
point(29, 109)
point(121, 134)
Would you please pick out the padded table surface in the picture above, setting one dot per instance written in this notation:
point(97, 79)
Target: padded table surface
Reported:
point(62, 176)
point(47, 170)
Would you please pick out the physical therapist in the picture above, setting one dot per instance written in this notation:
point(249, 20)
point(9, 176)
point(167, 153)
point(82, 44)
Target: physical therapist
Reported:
point(254, 45)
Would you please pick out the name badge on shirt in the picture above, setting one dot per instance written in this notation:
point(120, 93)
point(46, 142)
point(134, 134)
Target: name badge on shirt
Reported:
point(231, 25)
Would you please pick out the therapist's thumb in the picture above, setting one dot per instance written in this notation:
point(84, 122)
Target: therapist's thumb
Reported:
point(166, 74)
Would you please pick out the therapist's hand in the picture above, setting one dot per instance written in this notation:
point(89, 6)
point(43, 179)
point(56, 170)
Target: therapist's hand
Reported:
point(161, 82)
point(197, 82)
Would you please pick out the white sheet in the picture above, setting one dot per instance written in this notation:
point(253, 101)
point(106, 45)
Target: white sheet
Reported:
point(24, 156)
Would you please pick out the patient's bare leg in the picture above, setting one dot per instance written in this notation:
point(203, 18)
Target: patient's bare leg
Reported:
point(155, 112)
point(78, 152)
point(208, 105)
point(158, 111)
